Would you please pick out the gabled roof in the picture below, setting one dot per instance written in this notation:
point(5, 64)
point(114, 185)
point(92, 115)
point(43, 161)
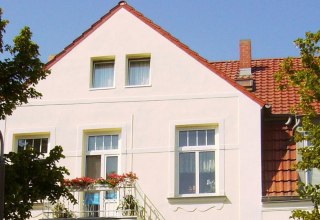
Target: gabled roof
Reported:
point(168, 36)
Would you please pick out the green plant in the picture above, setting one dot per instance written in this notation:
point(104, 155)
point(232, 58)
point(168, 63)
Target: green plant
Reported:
point(30, 178)
point(306, 81)
point(130, 206)
point(60, 211)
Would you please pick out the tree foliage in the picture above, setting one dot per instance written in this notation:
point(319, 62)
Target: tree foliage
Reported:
point(307, 82)
point(20, 70)
point(30, 178)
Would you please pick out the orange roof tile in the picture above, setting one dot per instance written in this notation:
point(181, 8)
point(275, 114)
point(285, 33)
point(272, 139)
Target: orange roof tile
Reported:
point(265, 85)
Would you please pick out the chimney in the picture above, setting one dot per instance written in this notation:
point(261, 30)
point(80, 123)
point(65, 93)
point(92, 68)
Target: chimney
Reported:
point(245, 58)
point(245, 77)
point(51, 57)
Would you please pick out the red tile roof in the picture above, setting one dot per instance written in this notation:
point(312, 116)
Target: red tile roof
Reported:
point(265, 85)
point(279, 177)
point(185, 48)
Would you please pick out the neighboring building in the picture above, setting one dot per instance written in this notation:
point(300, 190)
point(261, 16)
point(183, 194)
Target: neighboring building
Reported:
point(207, 140)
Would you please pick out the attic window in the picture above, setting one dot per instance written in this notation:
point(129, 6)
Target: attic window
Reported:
point(103, 74)
point(138, 72)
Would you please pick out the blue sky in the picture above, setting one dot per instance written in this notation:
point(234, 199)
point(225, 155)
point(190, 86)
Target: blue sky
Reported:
point(212, 28)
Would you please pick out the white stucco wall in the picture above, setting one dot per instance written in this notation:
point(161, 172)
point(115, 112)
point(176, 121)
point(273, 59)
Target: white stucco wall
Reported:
point(182, 92)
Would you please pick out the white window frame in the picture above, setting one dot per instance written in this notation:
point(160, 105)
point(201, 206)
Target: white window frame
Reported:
point(197, 150)
point(103, 157)
point(104, 153)
point(137, 58)
point(33, 133)
point(94, 62)
point(307, 172)
point(173, 183)
point(33, 138)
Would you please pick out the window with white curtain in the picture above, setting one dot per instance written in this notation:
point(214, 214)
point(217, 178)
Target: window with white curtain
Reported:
point(197, 161)
point(103, 74)
point(138, 72)
point(308, 176)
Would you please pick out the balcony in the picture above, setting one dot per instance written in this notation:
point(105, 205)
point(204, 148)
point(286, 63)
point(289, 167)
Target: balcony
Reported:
point(103, 202)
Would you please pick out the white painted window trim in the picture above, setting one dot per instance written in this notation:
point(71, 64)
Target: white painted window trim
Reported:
point(307, 172)
point(218, 125)
point(104, 153)
point(94, 62)
point(84, 131)
point(138, 57)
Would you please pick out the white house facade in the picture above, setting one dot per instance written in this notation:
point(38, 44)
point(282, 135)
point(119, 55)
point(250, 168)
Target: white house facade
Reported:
point(125, 96)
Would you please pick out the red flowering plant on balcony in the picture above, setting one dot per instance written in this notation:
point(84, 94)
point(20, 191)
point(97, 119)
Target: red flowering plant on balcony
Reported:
point(129, 178)
point(112, 180)
point(79, 182)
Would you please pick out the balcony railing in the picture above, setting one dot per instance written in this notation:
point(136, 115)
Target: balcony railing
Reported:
point(98, 201)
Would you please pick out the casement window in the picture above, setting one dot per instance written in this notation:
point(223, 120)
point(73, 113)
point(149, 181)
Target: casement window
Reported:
point(308, 176)
point(38, 144)
point(103, 74)
point(102, 159)
point(197, 159)
point(138, 72)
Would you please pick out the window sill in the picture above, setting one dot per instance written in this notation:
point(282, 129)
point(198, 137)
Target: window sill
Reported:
point(101, 88)
point(137, 86)
point(197, 199)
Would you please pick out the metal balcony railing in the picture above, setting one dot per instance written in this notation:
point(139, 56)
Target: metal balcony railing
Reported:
point(103, 202)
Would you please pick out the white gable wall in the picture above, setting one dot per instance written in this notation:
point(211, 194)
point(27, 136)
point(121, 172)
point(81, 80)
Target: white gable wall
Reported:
point(182, 92)
point(171, 68)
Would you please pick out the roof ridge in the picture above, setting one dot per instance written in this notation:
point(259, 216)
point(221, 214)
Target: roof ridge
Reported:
point(256, 59)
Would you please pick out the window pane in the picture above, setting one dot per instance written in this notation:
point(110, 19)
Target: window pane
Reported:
point(92, 198)
point(202, 138)
point(91, 143)
point(92, 204)
point(210, 137)
point(115, 139)
point(314, 176)
point(138, 73)
point(44, 145)
point(111, 194)
point(21, 144)
point(103, 75)
point(112, 164)
point(29, 143)
point(36, 144)
point(187, 176)
point(93, 166)
point(183, 138)
point(206, 172)
point(107, 142)
point(99, 142)
point(192, 138)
